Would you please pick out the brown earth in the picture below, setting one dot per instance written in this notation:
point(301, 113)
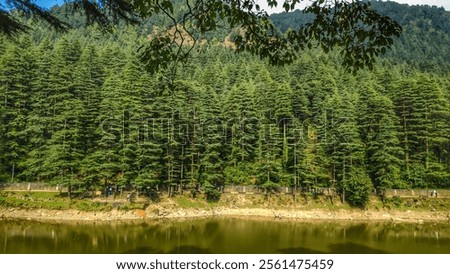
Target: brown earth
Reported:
point(246, 206)
point(162, 212)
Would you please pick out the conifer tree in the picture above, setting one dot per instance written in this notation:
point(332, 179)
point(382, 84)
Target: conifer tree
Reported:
point(312, 163)
point(432, 130)
point(242, 125)
point(404, 97)
point(241, 114)
point(63, 150)
point(88, 81)
point(213, 137)
point(39, 117)
point(423, 112)
point(16, 68)
point(146, 168)
point(104, 165)
point(169, 108)
point(379, 132)
point(345, 146)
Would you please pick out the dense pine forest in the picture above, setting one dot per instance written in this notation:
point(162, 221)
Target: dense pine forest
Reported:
point(77, 108)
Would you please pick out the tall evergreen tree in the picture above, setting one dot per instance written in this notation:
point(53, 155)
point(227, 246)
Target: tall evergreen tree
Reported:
point(213, 136)
point(423, 112)
point(379, 132)
point(39, 119)
point(63, 150)
point(242, 125)
point(345, 146)
point(241, 116)
point(104, 165)
point(16, 68)
point(432, 129)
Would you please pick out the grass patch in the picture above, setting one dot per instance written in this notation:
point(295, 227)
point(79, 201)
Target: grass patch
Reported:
point(185, 202)
point(43, 195)
point(91, 206)
point(419, 204)
point(395, 201)
point(26, 202)
point(48, 200)
point(57, 201)
point(133, 206)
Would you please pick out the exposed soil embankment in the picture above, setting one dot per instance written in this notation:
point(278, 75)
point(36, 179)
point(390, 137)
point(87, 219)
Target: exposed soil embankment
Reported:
point(51, 207)
point(160, 212)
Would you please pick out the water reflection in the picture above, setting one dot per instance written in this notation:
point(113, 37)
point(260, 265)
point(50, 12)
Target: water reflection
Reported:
point(223, 236)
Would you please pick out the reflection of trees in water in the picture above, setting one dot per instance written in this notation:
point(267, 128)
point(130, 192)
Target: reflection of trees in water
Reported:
point(340, 248)
point(352, 248)
point(223, 235)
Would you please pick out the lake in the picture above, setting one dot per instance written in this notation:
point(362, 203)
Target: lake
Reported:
point(223, 235)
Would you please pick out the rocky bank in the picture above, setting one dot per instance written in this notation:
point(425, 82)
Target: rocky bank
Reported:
point(154, 212)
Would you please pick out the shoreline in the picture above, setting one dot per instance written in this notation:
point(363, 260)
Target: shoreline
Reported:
point(154, 213)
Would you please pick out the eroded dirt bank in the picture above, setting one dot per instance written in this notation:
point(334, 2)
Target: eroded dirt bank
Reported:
point(161, 212)
point(278, 207)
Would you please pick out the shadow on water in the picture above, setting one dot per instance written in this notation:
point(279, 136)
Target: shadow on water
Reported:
point(143, 250)
point(300, 250)
point(184, 249)
point(189, 249)
point(352, 248)
point(341, 248)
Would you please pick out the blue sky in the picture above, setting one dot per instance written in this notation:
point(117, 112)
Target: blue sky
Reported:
point(43, 3)
point(443, 3)
point(48, 3)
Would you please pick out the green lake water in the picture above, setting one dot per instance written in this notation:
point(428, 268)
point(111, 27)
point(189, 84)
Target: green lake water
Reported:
point(223, 235)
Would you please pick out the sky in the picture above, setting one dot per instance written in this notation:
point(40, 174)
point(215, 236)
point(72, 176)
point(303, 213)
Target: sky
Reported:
point(439, 3)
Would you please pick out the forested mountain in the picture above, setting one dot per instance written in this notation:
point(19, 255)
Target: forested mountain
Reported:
point(423, 43)
point(77, 108)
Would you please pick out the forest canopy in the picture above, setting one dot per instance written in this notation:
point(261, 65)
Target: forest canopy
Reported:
point(351, 26)
point(78, 108)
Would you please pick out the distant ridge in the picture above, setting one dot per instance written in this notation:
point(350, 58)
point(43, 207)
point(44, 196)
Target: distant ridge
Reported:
point(426, 32)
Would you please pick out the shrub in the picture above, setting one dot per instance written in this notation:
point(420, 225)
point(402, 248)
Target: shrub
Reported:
point(211, 192)
point(358, 188)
